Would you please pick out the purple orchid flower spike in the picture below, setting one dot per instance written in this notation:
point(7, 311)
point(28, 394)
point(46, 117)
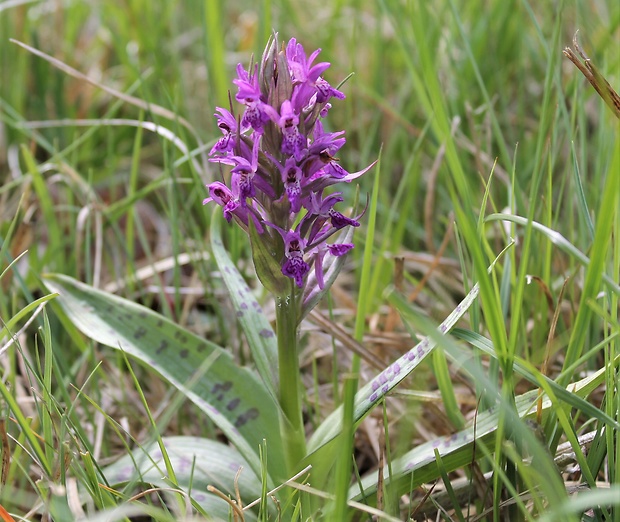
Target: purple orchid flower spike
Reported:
point(277, 160)
point(281, 161)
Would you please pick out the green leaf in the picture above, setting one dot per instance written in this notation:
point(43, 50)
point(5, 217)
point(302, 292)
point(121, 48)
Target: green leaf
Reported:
point(232, 397)
point(266, 255)
point(419, 465)
point(557, 239)
point(8, 326)
point(197, 463)
point(529, 372)
point(261, 337)
point(388, 379)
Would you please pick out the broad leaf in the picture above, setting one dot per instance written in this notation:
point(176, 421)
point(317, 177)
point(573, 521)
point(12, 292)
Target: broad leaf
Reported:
point(197, 463)
point(232, 397)
point(419, 465)
point(261, 337)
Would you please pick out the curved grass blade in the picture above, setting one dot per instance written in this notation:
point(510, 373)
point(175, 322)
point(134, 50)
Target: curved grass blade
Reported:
point(8, 326)
point(149, 107)
point(160, 130)
point(557, 239)
point(232, 397)
point(584, 501)
point(261, 337)
point(197, 463)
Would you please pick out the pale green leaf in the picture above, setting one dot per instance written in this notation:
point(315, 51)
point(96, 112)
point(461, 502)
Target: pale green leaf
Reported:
point(419, 465)
point(232, 397)
point(261, 337)
point(197, 463)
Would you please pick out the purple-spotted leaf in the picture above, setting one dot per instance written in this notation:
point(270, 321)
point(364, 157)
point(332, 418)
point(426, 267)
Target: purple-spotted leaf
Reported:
point(370, 394)
point(234, 398)
point(197, 463)
point(388, 379)
point(261, 337)
point(419, 465)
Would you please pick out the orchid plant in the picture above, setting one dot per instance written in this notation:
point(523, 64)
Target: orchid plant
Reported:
point(283, 161)
point(278, 169)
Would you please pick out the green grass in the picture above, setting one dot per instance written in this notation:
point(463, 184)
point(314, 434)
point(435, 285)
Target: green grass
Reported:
point(486, 133)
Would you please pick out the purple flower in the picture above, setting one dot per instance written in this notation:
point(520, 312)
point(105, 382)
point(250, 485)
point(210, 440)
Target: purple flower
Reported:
point(294, 265)
point(301, 67)
point(296, 268)
point(292, 178)
point(249, 91)
point(292, 139)
point(339, 249)
point(320, 210)
point(336, 250)
point(324, 91)
point(228, 125)
point(257, 113)
point(322, 149)
point(280, 162)
point(242, 175)
point(324, 178)
point(230, 204)
point(340, 221)
point(303, 74)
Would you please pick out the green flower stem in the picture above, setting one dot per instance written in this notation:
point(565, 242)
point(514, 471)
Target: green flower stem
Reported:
point(291, 425)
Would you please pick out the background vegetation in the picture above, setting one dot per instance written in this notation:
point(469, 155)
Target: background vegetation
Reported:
point(473, 110)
